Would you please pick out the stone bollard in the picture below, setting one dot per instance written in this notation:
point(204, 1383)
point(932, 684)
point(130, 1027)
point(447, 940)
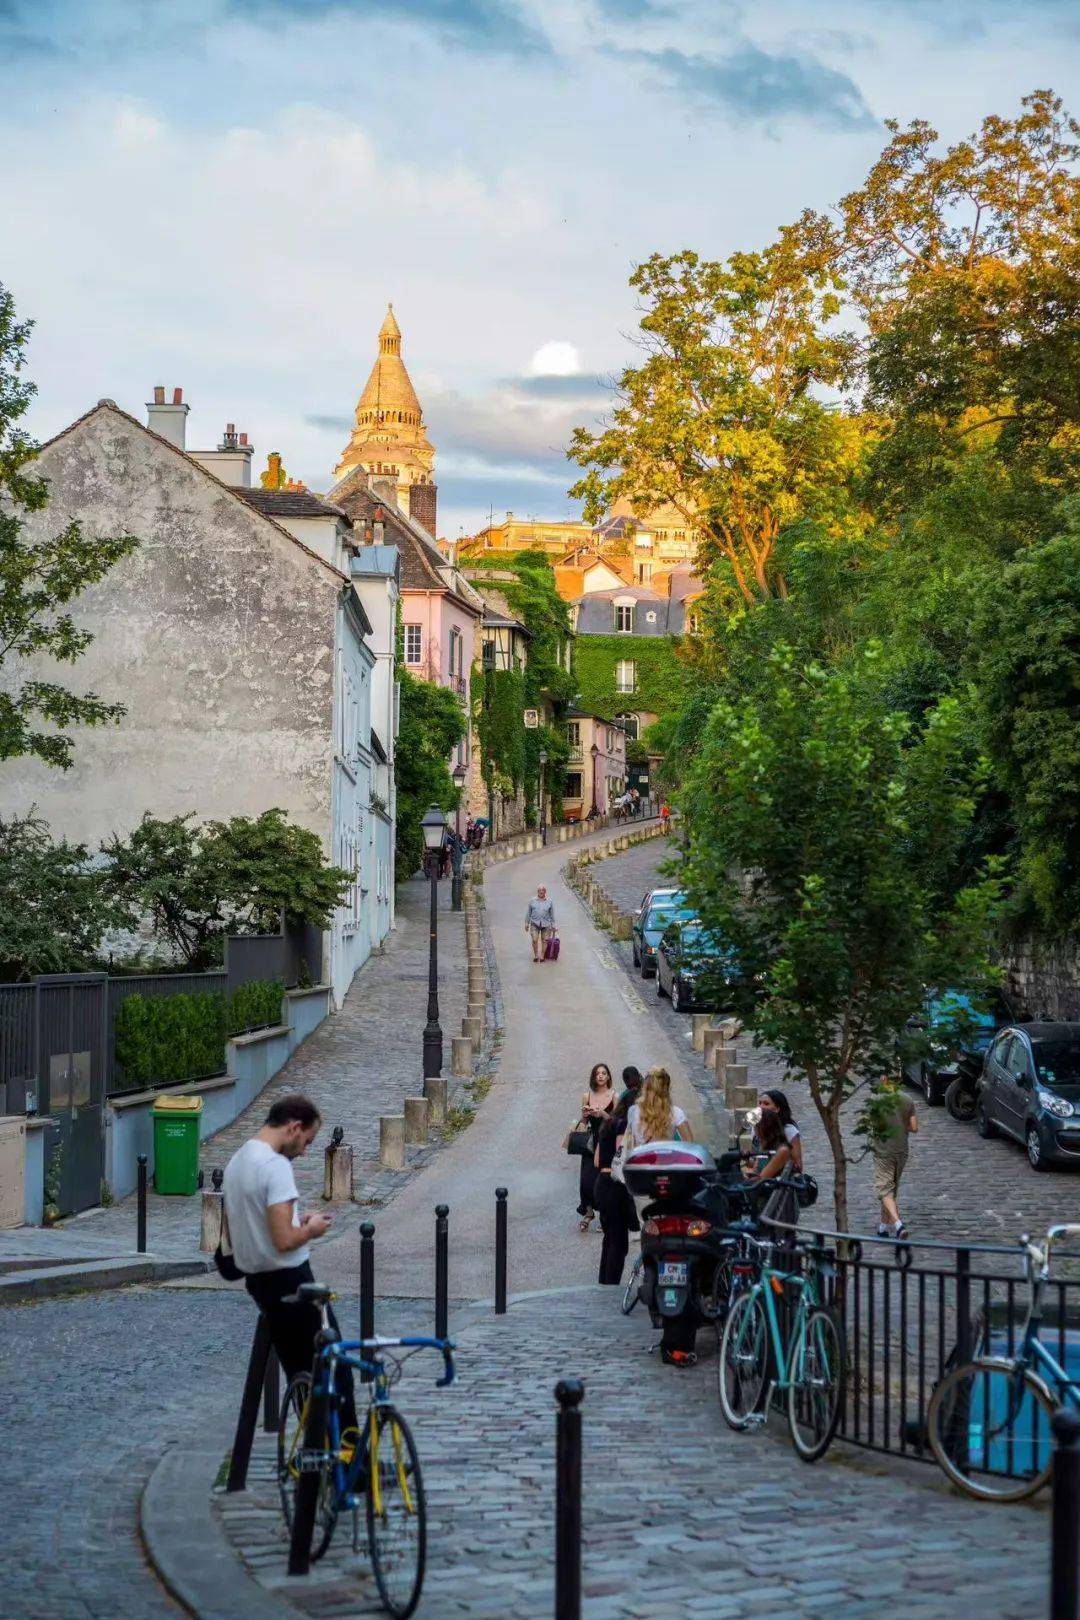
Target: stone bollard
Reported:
point(473, 1029)
point(477, 1006)
point(711, 1039)
point(477, 985)
point(621, 925)
point(736, 1075)
point(699, 1023)
point(416, 1120)
point(462, 1055)
point(435, 1092)
point(338, 1170)
point(724, 1055)
point(213, 1209)
point(740, 1099)
point(392, 1141)
point(732, 1028)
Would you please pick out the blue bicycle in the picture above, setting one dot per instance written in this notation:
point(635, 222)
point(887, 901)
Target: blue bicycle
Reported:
point(374, 1467)
point(988, 1421)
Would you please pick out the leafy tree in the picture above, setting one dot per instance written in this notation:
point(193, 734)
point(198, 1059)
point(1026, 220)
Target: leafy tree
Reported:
point(38, 580)
point(827, 845)
point(432, 723)
point(194, 883)
point(165, 874)
point(722, 419)
point(54, 908)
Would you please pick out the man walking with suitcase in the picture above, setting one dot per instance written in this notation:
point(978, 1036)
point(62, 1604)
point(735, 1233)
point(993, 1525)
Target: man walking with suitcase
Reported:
point(539, 922)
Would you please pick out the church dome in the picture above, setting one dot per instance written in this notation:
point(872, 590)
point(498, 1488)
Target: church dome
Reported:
point(389, 419)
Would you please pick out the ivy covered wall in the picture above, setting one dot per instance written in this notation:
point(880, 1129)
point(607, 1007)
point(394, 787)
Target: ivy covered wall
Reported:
point(659, 674)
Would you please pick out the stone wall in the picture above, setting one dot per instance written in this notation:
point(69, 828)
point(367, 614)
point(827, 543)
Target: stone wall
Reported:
point(1045, 981)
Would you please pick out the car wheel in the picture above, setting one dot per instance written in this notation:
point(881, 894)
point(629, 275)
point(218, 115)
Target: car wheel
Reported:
point(960, 1101)
point(1033, 1143)
point(676, 997)
point(637, 958)
point(983, 1123)
point(935, 1091)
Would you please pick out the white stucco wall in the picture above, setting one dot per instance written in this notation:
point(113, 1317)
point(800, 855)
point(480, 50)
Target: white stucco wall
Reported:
point(218, 635)
point(353, 833)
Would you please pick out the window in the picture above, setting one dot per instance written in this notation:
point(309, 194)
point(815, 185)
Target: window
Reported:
point(573, 735)
point(489, 655)
point(629, 723)
point(625, 675)
point(414, 642)
point(624, 617)
point(693, 622)
point(573, 785)
point(650, 617)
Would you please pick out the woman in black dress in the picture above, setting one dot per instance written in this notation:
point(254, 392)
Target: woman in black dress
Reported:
point(618, 1217)
point(597, 1105)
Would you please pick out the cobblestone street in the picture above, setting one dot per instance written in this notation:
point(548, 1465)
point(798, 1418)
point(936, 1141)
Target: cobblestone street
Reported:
point(957, 1187)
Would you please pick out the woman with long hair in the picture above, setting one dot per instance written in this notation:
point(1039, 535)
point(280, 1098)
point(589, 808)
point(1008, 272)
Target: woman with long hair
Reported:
point(775, 1105)
point(654, 1117)
point(597, 1105)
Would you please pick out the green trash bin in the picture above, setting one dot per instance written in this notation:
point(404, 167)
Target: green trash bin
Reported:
point(176, 1144)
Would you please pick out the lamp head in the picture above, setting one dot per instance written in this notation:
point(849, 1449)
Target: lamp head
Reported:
point(434, 827)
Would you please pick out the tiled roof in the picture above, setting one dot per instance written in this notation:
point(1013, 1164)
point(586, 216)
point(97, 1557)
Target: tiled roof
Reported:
point(290, 503)
point(421, 559)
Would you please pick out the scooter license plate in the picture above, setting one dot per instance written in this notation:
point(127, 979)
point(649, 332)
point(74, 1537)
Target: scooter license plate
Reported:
point(673, 1273)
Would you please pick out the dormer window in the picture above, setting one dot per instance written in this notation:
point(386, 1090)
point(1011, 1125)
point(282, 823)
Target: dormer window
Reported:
point(624, 618)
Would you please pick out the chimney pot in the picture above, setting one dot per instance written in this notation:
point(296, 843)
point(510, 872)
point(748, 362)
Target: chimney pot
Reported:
point(178, 396)
point(159, 395)
point(243, 438)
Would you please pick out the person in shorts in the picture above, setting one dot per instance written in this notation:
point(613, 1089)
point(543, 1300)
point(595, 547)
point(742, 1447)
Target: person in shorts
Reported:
point(890, 1160)
point(539, 922)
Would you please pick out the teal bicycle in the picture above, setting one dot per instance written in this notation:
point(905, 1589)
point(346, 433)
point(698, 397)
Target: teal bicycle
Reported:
point(804, 1361)
point(989, 1420)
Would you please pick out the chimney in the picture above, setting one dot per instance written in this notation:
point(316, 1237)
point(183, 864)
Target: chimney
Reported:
point(231, 461)
point(422, 501)
point(377, 526)
point(170, 421)
point(385, 490)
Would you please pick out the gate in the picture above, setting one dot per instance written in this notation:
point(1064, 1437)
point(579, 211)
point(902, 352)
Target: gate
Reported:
point(72, 1043)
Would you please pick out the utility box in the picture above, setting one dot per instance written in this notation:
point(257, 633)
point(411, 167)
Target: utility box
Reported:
point(176, 1145)
point(12, 1170)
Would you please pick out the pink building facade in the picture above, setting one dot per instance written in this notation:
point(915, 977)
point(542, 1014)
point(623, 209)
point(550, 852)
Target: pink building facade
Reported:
point(596, 770)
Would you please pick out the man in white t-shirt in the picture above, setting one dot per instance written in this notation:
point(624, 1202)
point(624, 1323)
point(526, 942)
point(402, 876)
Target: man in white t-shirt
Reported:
point(270, 1239)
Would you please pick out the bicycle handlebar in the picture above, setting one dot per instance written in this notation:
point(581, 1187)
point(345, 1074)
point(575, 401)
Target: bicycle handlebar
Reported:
point(410, 1342)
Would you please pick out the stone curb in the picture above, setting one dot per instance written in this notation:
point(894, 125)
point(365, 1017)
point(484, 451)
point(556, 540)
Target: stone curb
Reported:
point(187, 1547)
point(93, 1275)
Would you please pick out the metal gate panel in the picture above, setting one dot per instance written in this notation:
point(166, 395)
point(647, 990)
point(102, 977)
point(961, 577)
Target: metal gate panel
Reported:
point(71, 1026)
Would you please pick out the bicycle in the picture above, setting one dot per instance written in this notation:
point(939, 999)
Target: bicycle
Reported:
point(632, 1291)
point(988, 1421)
point(376, 1466)
point(810, 1366)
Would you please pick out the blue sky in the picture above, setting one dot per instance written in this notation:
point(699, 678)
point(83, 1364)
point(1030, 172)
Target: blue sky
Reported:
point(223, 194)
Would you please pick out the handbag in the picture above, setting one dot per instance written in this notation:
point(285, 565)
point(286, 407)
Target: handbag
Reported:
point(224, 1259)
point(578, 1141)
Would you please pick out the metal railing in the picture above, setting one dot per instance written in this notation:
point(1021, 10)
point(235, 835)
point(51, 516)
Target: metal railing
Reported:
point(18, 1060)
point(913, 1310)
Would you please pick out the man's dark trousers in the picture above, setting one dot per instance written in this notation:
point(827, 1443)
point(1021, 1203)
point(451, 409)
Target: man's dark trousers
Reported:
point(293, 1327)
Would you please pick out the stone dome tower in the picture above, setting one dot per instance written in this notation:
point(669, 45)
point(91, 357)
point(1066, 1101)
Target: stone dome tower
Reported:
point(390, 440)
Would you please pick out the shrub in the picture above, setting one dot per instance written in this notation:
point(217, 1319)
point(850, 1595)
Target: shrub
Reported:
point(164, 1039)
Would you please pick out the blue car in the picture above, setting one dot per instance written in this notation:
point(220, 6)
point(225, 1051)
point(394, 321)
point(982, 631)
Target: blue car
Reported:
point(949, 1035)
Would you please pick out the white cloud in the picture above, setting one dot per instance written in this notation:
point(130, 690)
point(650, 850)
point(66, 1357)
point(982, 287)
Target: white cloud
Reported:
point(134, 127)
point(555, 359)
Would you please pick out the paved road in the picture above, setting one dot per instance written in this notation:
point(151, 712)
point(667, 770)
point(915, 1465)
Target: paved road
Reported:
point(94, 1387)
point(560, 1019)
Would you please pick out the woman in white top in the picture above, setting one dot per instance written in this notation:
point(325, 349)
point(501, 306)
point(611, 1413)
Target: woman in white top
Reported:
point(654, 1117)
point(775, 1102)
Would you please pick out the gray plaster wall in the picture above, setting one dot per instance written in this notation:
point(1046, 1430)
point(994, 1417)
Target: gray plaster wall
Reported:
point(217, 635)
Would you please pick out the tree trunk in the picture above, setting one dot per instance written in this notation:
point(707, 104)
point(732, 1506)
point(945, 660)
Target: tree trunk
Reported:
point(828, 1106)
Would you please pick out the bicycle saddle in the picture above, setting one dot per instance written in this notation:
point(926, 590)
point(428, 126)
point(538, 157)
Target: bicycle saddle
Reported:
point(310, 1293)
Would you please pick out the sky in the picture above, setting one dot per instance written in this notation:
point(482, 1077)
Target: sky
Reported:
point(223, 195)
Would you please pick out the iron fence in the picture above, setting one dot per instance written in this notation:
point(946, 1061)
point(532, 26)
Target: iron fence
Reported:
point(912, 1311)
point(18, 1059)
point(150, 984)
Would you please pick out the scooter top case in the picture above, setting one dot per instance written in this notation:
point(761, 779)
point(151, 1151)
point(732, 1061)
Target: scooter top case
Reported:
point(661, 1170)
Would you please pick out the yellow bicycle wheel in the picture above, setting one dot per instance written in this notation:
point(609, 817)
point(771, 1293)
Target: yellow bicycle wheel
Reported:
point(396, 1512)
point(292, 1426)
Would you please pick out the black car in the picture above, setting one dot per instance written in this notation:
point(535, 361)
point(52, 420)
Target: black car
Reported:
point(661, 907)
point(1030, 1090)
point(690, 965)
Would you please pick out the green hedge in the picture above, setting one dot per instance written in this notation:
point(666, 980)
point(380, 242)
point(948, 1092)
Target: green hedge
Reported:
point(659, 674)
point(169, 1038)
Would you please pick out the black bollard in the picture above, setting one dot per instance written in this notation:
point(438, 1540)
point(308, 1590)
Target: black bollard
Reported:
point(1065, 1522)
point(442, 1270)
point(271, 1393)
point(367, 1286)
point(457, 888)
point(249, 1406)
point(568, 1393)
point(500, 1251)
point(140, 1224)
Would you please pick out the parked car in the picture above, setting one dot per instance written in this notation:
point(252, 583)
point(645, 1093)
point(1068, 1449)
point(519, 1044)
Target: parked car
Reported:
point(690, 962)
point(950, 1033)
point(1030, 1090)
point(657, 910)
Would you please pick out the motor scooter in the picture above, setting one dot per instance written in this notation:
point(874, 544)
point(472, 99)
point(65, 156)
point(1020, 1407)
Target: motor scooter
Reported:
point(688, 1244)
point(960, 1095)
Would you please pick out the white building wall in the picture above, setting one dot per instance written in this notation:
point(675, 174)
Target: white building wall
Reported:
point(375, 572)
point(351, 842)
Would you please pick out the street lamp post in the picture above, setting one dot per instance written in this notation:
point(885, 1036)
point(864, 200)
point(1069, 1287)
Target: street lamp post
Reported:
point(543, 816)
point(434, 827)
point(594, 751)
point(456, 879)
